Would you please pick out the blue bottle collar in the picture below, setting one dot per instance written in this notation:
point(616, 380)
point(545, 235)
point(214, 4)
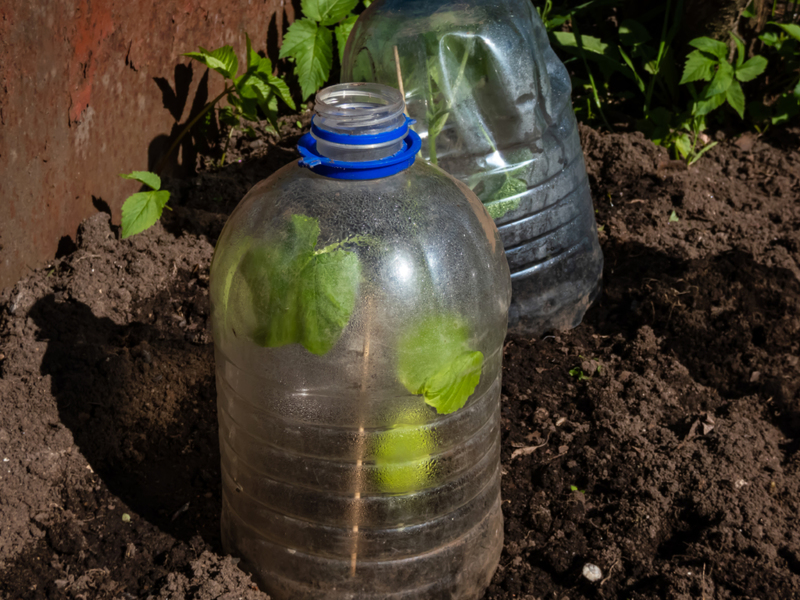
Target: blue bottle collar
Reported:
point(372, 169)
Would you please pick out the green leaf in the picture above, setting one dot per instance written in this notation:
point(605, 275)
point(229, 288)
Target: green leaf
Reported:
point(327, 12)
point(715, 47)
point(151, 180)
point(402, 457)
point(447, 390)
point(749, 11)
point(228, 117)
point(299, 294)
point(222, 60)
point(787, 107)
point(251, 55)
point(141, 211)
point(270, 109)
point(342, 32)
point(590, 43)
point(281, 90)
point(771, 39)
point(698, 67)
point(434, 359)
point(751, 69)
point(702, 151)
point(632, 33)
point(683, 144)
point(503, 200)
point(740, 51)
point(735, 97)
point(626, 58)
point(436, 123)
point(673, 217)
point(246, 102)
point(312, 48)
point(789, 28)
point(703, 107)
point(722, 80)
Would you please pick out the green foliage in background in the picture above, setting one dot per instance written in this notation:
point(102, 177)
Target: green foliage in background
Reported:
point(256, 88)
point(309, 40)
point(782, 40)
point(636, 66)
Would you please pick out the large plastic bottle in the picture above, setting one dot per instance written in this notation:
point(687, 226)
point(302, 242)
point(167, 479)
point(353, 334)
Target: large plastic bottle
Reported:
point(360, 302)
point(492, 105)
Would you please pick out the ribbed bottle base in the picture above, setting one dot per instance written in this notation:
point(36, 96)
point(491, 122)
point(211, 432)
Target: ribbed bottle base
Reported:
point(460, 570)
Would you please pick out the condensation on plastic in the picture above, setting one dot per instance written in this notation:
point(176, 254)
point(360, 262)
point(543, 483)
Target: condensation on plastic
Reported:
point(484, 74)
point(301, 434)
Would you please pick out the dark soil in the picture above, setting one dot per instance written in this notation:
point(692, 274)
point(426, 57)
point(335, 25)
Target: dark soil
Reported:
point(658, 441)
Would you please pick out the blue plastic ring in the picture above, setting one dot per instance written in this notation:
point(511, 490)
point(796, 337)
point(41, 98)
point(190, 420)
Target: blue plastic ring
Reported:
point(371, 169)
point(361, 140)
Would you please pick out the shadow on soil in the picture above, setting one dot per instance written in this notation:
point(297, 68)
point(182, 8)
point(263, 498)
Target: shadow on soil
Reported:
point(140, 402)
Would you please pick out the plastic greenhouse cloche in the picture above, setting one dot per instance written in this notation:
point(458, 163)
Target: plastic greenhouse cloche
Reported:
point(359, 305)
point(492, 106)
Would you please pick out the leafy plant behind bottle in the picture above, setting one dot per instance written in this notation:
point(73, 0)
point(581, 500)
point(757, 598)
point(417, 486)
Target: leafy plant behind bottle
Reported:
point(456, 69)
point(629, 61)
point(309, 40)
point(256, 88)
point(784, 46)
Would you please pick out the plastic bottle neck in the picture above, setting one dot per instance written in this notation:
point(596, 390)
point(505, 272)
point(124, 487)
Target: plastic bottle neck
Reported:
point(358, 122)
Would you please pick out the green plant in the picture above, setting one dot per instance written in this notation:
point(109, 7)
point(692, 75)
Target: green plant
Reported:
point(579, 373)
point(452, 72)
point(586, 370)
point(256, 88)
point(709, 63)
point(434, 360)
point(299, 293)
point(141, 210)
point(309, 40)
point(784, 90)
point(628, 65)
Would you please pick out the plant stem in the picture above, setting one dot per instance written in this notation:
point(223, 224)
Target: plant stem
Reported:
point(225, 150)
point(163, 162)
point(459, 77)
point(661, 45)
point(579, 41)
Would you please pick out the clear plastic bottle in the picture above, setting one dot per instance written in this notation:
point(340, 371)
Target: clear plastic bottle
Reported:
point(359, 310)
point(492, 105)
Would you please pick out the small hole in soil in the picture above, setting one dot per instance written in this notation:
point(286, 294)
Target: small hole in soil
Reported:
point(759, 335)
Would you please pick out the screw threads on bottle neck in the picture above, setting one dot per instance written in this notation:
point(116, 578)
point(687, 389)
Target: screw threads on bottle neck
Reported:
point(351, 111)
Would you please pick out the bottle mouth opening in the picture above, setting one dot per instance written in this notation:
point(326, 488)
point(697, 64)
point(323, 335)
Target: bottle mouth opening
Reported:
point(359, 109)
